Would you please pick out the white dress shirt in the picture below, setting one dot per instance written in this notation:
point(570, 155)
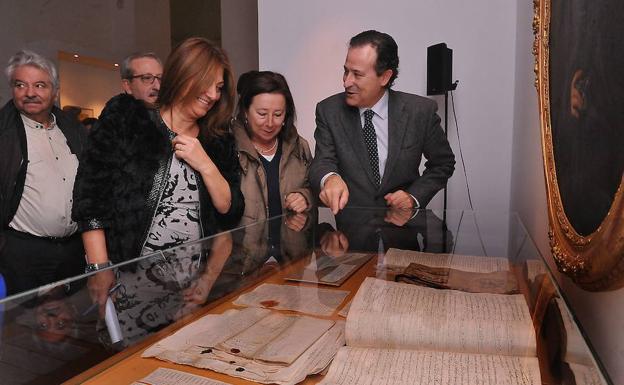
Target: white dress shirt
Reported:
point(45, 207)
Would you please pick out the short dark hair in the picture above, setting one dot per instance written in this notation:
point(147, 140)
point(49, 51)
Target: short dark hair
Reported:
point(254, 83)
point(242, 81)
point(387, 51)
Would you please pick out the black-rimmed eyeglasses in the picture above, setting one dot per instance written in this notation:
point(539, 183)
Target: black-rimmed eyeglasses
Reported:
point(147, 78)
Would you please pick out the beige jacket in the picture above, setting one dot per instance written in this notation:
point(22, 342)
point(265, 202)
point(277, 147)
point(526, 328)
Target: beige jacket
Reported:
point(293, 173)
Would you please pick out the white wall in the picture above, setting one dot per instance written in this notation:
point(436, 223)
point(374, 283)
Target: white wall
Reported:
point(528, 190)
point(87, 86)
point(307, 42)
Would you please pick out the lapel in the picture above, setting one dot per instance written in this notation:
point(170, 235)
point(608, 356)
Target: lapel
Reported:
point(396, 132)
point(352, 126)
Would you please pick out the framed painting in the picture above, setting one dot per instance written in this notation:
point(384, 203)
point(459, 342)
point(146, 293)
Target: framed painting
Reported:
point(579, 53)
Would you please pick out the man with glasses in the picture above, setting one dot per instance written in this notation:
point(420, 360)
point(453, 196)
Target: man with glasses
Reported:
point(140, 76)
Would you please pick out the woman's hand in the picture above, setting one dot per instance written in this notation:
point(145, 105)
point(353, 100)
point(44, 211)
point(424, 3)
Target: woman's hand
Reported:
point(296, 202)
point(94, 242)
point(99, 286)
point(190, 150)
point(198, 292)
point(296, 222)
point(220, 251)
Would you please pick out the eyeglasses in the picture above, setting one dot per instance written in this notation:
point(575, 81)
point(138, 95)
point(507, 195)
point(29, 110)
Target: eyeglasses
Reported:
point(147, 78)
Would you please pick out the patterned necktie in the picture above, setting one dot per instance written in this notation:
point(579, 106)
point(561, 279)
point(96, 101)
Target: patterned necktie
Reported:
point(371, 143)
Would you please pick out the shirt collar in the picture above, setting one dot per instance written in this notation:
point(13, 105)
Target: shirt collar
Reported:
point(380, 108)
point(28, 122)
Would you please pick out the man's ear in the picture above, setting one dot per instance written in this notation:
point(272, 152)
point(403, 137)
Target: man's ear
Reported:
point(125, 86)
point(385, 77)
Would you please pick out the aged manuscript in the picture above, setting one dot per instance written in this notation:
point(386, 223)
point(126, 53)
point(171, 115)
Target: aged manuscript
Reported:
point(497, 282)
point(307, 300)
point(329, 270)
point(400, 259)
point(255, 344)
point(165, 376)
point(406, 334)
point(411, 367)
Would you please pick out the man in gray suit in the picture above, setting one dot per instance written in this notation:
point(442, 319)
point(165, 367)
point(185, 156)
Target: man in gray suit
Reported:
point(370, 139)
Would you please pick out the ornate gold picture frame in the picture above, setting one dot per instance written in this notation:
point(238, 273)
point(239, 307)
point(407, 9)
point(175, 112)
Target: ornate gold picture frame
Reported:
point(579, 66)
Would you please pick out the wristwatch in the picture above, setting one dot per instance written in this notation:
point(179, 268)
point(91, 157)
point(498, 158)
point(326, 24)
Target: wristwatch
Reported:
point(91, 267)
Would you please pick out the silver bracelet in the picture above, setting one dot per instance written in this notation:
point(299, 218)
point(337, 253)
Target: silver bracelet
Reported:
point(91, 267)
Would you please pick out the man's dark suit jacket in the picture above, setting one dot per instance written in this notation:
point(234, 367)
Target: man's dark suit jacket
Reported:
point(364, 228)
point(413, 131)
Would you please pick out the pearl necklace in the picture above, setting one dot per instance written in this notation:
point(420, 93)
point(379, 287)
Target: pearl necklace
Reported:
point(266, 150)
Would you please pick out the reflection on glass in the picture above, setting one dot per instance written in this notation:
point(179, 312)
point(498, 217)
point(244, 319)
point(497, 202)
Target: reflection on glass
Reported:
point(371, 230)
point(156, 291)
point(477, 255)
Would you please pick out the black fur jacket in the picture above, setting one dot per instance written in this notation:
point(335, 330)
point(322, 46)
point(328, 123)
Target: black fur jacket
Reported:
point(124, 170)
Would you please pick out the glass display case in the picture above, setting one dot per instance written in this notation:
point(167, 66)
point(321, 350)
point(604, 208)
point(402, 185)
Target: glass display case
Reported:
point(466, 291)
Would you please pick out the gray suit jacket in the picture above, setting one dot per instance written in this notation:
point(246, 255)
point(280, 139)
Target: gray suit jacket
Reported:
point(413, 132)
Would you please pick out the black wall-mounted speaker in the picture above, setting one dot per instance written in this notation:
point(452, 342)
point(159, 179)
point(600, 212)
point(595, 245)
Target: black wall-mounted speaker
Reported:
point(439, 69)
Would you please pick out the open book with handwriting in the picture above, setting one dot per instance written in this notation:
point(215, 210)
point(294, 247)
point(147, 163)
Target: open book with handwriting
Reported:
point(405, 334)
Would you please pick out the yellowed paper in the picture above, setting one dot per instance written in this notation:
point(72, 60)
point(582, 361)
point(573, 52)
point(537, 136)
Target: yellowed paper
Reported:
point(329, 270)
point(400, 259)
point(307, 300)
point(356, 366)
point(164, 376)
point(182, 347)
point(394, 315)
point(498, 282)
point(228, 326)
point(249, 341)
point(345, 310)
point(277, 338)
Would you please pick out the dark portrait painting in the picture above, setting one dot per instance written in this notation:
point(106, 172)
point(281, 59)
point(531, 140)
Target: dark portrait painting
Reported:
point(587, 106)
point(579, 57)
